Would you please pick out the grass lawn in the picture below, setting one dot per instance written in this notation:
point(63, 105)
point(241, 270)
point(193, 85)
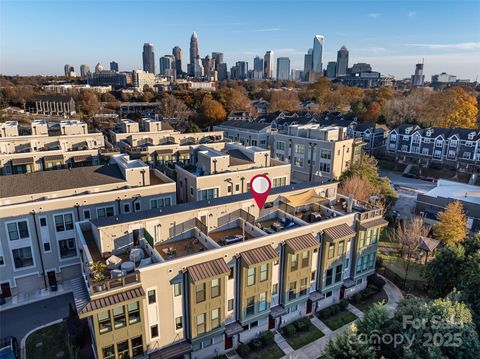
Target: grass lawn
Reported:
point(48, 342)
point(339, 319)
point(271, 351)
point(304, 337)
point(395, 264)
point(377, 297)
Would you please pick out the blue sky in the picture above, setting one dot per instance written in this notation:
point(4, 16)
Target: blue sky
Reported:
point(39, 37)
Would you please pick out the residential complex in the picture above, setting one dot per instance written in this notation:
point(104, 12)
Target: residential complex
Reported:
point(199, 278)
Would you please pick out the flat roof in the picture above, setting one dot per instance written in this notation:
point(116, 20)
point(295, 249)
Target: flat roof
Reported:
point(456, 190)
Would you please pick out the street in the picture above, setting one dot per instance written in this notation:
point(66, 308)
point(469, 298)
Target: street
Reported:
point(19, 321)
point(397, 179)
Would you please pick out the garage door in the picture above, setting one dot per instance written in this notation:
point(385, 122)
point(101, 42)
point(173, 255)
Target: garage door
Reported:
point(29, 284)
point(71, 272)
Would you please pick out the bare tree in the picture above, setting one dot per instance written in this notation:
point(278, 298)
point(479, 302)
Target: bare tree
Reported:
point(359, 187)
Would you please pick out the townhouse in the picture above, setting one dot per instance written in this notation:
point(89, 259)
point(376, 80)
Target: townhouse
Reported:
point(38, 212)
point(197, 279)
point(455, 148)
point(47, 146)
point(212, 173)
point(247, 133)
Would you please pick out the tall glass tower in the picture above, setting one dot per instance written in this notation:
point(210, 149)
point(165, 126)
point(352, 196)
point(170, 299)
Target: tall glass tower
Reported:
point(317, 53)
point(148, 58)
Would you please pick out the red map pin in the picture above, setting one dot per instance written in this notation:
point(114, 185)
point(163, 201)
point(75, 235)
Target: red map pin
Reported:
point(260, 186)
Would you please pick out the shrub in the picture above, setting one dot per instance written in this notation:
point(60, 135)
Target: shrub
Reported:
point(266, 337)
point(343, 303)
point(289, 330)
point(302, 324)
point(324, 313)
point(334, 309)
point(256, 343)
point(356, 297)
point(376, 280)
point(243, 350)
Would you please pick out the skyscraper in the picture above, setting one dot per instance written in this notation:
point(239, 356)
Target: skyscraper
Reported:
point(69, 70)
point(257, 68)
point(218, 58)
point(419, 77)
point(148, 58)
point(208, 67)
point(114, 66)
point(177, 54)
point(268, 65)
point(318, 41)
point(167, 66)
point(242, 70)
point(194, 53)
point(222, 72)
point(342, 62)
point(283, 68)
point(307, 64)
point(331, 69)
point(84, 70)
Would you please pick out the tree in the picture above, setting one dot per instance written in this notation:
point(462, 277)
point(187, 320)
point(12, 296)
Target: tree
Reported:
point(212, 112)
point(349, 345)
point(88, 103)
point(375, 319)
point(452, 224)
point(408, 235)
point(469, 285)
point(192, 128)
point(284, 101)
point(234, 99)
point(443, 272)
point(406, 108)
point(359, 187)
point(373, 112)
point(172, 107)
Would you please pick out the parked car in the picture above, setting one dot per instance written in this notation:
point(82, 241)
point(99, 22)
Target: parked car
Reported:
point(428, 179)
point(9, 348)
point(410, 175)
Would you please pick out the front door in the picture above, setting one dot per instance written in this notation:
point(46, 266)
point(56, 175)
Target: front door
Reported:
point(6, 290)
point(342, 292)
point(228, 342)
point(271, 322)
point(52, 278)
point(309, 306)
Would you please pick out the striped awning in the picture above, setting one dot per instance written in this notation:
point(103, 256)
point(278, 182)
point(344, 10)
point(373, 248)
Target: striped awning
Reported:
point(82, 158)
point(53, 158)
point(259, 255)
point(173, 351)
point(302, 242)
point(113, 300)
point(164, 152)
point(277, 311)
point(341, 231)
point(375, 223)
point(183, 152)
point(233, 328)
point(22, 161)
point(210, 269)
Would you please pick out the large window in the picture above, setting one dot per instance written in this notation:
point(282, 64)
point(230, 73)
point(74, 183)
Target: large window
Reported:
point(329, 277)
point(160, 202)
point(303, 286)
point(299, 148)
point(200, 324)
point(208, 194)
point(108, 352)
point(67, 248)
point(122, 350)
point(215, 288)
point(104, 322)
point(293, 262)
point(17, 230)
point(361, 239)
point(105, 212)
point(22, 257)
point(305, 259)
point(292, 291)
point(325, 154)
point(119, 320)
point(331, 250)
point(200, 292)
point(341, 247)
point(338, 273)
point(137, 346)
point(215, 318)
point(250, 276)
point(262, 303)
point(264, 272)
point(133, 313)
point(250, 310)
point(278, 182)
point(298, 161)
point(63, 222)
point(281, 146)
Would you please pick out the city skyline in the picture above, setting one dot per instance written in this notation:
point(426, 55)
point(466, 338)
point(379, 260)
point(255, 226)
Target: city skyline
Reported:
point(415, 31)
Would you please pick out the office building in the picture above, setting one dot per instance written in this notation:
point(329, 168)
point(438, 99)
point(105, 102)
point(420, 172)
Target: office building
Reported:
point(418, 78)
point(317, 54)
point(269, 65)
point(360, 67)
point(141, 78)
point(208, 64)
point(148, 58)
point(218, 58)
point(177, 54)
point(167, 66)
point(342, 62)
point(222, 72)
point(114, 66)
point(296, 75)
point(308, 64)
point(55, 105)
point(443, 78)
point(242, 70)
point(257, 68)
point(84, 70)
point(283, 68)
point(194, 55)
point(331, 69)
point(69, 71)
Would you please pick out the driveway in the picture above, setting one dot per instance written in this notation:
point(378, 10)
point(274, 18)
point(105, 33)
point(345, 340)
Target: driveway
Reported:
point(396, 178)
point(19, 321)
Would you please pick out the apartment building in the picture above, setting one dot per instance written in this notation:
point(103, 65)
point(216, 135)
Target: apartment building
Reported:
point(47, 146)
point(315, 152)
point(212, 173)
point(247, 133)
point(455, 148)
point(206, 276)
point(55, 105)
point(38, 212)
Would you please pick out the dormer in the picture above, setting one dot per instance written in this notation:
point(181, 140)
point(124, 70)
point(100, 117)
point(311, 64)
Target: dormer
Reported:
point(429, 132)
point(471, 135)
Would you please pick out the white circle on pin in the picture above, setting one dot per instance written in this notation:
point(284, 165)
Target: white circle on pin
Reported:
point(260, 185)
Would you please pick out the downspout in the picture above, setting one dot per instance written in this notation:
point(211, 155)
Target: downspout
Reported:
point(33, 213)
point(118, 205)
point(281, 279)
point(143, 177)
point(186, 304)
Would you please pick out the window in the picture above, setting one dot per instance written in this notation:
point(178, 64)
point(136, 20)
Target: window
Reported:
point(104, 322)
point(178, 323)
point(177, 289)
point(250, 276)
point(200, 324)
point(313, 275)
point(328, 278)
point(159, 202)
point(281, 146)
point(137, 206)
point(371, 260)
point(46, 247)
point(22, 257)
point(126, 208)
point(250, 309)
point(375, 235)
point(451, 153)
point(439, 143)
point(328, 294)
point(262, 303)
point(293, 262)
point(303, 286)
point(230, 274)
point(200, 292)
point(237, 187)
point(325, 154)
point(43, 222)
point(263, 272)
point(437, 154)
point(152, 298)
point(425, 151)
point(215, 318)
point(298, 161)
point(331, 250)
point(230, 304)
point(305, 259)
point(86, 214)
point(466, 155)
point(393, 137)
point(109, 352)
point(105, 212)
point(292, 295)
point(278, 182)
point(341, 247)
point(338, 273)
point(453, 143)
point(17, 230)
point(275, 288)
point(119, 320)
point(215, 288)
point(207, 194)
point(154, 331)
point(361, 239)
point(133, 313)
point(324, 167)
point(67, 248)
point(122, 350)
point(299, 148)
